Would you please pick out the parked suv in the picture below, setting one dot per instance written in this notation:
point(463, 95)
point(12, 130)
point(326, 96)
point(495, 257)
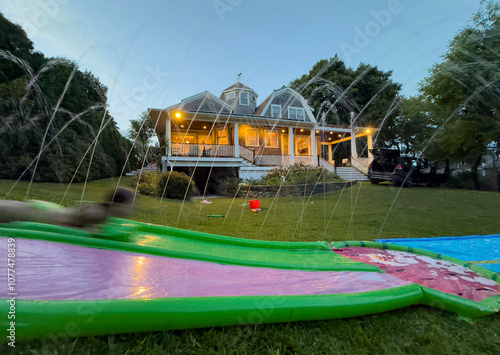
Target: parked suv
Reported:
point(390, 165)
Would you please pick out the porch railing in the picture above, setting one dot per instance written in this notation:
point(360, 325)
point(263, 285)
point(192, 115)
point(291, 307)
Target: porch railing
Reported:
point(246, 154)
point(306, 159)
point(204, 150)
point(361, 164)
point(274, 160)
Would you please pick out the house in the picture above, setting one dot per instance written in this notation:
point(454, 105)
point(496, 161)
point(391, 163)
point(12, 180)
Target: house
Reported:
point(231, 135)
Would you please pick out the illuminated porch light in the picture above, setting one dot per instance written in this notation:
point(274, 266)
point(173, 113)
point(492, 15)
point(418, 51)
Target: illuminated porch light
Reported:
point(178, 114)
point(331, 132)
point(330, 138)
point(302, 130)
point(340, 135)
point(282, 131)
point(182, 126)
point(204, 127)
point(317, 131)
point(368, 131)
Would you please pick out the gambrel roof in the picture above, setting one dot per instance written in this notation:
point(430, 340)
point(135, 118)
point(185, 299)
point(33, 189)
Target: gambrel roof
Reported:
point(204, 102)
point(286, 98)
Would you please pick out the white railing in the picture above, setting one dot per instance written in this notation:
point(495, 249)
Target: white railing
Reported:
point(272, 160)
point(275, 160)
point(246, 154)
point(204, 150)
point(306, 159)
point(361, 164)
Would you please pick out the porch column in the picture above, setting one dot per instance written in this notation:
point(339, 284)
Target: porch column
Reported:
point(168, 137)
point(354, 153)
point(330, 153)
point(370, 145)
point(236, 141)
point(313, 146)
point(290, 145)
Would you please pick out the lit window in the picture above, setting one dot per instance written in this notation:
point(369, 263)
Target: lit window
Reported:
point(275, 110)
point(296, 113)
point(244, 99)
point(222, 136)
point(183, 139)
point(271, 139)
point(252, 138)
point(302, 145)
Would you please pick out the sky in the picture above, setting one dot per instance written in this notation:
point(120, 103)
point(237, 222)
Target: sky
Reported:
point(154, 53)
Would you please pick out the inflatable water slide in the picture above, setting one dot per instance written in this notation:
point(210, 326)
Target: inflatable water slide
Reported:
point(138, 277)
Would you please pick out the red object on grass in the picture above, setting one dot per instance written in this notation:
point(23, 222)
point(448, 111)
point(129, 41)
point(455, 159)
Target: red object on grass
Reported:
point(254, 204)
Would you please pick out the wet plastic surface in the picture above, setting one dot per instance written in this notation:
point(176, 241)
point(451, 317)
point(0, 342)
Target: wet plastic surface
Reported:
point(58, 271)
point(440, 275)
point(471, 248)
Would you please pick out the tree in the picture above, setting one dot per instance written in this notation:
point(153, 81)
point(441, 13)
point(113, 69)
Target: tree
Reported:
point(463, 90)
point(36, 130)
point(334, 91)
point(413, 127)
point(141, 132)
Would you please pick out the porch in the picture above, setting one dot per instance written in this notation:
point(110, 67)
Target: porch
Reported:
point(253, 157)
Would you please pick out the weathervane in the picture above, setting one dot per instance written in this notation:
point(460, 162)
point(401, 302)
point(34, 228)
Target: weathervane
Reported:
point(239, 76)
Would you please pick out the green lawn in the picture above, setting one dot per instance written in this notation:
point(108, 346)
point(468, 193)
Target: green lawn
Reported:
point(360, 212)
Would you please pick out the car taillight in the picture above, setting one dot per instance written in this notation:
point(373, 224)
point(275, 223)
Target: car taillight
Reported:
point(399, 166)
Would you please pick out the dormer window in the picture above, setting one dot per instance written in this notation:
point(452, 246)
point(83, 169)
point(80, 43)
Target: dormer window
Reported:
point(244, 100)
point(275, 110)
point(296, 113)
point(230, 95)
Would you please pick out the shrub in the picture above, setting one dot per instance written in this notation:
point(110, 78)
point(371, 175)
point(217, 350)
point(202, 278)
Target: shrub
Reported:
point(147, 183)
point(299, 173)
point(273, 180)
point(231, 186)
point(463, 180)
point(174, 184)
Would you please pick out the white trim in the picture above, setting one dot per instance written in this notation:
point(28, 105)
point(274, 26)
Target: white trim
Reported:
point(305, 105)
point(267, 142)
point(243, 89)
point(253, 128)
point(297, 110)
point(273, 106)
point(236, 140)
point(248, 98)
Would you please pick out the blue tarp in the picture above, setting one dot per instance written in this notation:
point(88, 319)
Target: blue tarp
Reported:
point(471, 248)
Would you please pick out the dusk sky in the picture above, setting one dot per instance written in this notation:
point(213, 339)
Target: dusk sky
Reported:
point(155, 53)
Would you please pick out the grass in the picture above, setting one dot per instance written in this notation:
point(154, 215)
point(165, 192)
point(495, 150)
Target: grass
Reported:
point(361, 212)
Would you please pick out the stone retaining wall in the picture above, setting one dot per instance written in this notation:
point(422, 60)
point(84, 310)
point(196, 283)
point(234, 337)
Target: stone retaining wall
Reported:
point(291, 190)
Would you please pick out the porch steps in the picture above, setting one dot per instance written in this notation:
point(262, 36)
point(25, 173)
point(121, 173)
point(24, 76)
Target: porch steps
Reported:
point(139, 171)
point(350, 173)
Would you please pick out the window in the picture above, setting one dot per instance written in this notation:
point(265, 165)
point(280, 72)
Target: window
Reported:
point(271, 139)
point(296, 113)
point(244, 99)
point(252, 138)
point(275, 110)
point(222, 136)
point(302, 145)
point(181, 138)
point(230, 95)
